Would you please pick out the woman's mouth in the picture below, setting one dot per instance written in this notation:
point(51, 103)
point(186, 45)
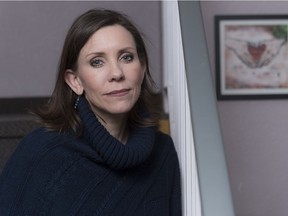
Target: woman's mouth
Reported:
point(118, 93)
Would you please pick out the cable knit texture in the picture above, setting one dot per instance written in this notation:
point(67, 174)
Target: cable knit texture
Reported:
point(114, 153)
point(53, 173)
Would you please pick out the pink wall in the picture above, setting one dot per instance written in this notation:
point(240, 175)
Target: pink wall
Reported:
point(255, 132)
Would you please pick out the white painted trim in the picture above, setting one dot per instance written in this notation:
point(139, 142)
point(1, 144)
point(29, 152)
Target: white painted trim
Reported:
point(177, 100)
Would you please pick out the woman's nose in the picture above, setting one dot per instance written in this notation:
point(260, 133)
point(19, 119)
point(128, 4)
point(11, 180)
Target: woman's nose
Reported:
point(116, 73)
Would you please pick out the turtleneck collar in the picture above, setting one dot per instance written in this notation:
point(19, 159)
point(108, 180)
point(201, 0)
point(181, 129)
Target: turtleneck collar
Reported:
point(113, 153)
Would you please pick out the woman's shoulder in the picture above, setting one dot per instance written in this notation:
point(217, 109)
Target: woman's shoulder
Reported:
point(164, 143)
point(42, 137)
point(34, 143)
point(37, 139)
point(32, 148)
point(164, 138)
point(42, 133)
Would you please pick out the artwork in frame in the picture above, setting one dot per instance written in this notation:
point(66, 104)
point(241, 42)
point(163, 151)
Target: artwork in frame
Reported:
point(251, 56)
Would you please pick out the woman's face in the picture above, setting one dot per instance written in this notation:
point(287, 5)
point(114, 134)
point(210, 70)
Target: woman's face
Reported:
point(109, 71)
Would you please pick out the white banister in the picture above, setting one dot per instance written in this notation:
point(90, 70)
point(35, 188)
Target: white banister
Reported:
point(175, 83)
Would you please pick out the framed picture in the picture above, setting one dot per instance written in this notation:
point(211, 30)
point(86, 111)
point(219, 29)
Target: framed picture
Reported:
point(251, 56)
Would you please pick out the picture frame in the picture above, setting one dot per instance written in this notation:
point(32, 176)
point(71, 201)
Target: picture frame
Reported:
point(251, 56)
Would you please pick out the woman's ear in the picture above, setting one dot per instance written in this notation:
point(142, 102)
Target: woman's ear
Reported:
point(72, 79)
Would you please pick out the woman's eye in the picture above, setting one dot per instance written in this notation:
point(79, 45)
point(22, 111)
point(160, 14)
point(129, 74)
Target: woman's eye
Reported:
point(127, 58)
point(96, 63)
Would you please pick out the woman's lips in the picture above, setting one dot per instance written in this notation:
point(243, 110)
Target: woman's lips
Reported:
point(118, 93)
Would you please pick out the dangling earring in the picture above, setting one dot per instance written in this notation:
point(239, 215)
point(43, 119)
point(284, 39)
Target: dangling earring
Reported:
point(76, 102)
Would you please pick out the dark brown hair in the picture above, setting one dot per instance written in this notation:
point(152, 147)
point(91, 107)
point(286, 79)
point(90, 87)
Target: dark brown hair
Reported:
point(59, 114)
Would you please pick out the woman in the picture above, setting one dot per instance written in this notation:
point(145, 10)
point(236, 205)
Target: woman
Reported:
point(98, 152)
